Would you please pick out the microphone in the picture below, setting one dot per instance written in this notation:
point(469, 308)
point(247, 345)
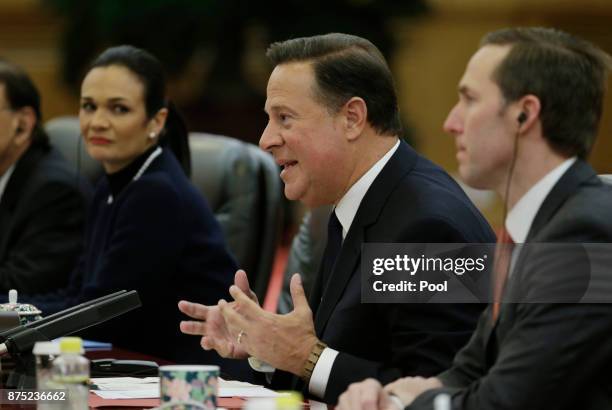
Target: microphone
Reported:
point(16, 329)
point(21, 339)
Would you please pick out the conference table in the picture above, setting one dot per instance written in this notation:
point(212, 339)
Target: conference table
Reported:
point(116, 353)
point(230, 403)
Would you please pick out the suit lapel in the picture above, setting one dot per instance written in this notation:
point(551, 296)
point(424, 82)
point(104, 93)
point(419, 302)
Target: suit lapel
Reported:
point(343, 270)
point(579, 173)
point(13, 191)
point(567, 185)
point(21, 175)
point(5, 221)
point(369, 210)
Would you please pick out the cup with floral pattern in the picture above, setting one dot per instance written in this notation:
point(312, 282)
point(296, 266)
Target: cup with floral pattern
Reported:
point(186, 387)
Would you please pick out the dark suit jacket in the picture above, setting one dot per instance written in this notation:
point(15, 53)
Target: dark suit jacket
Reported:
point(544, 355)
point(411, 200)
point(159, 237)
point(42, 218)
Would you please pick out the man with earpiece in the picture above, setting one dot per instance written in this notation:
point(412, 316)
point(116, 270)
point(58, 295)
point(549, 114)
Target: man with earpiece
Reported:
point(42, 200)
point(530, 102)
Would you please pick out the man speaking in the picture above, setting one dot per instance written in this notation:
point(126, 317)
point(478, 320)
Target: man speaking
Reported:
point(334, 129)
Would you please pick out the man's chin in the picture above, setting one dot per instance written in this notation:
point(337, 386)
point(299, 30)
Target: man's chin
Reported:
point(474, 180)
point(308, 198)
point(291, 193)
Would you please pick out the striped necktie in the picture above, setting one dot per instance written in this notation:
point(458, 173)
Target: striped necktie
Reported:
point(503, 256)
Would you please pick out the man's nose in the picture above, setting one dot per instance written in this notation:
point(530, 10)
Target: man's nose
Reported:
point(270, 138)
point(453, 124)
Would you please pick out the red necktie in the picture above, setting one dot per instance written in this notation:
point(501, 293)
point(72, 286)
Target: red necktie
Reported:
point(503, 256)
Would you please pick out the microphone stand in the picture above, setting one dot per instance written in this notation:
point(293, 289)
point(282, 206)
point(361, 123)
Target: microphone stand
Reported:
point(19, 341)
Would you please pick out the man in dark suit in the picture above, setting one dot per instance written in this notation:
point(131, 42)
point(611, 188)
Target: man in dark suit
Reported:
point(334, 129)
point(529, 107)
point(42, 202)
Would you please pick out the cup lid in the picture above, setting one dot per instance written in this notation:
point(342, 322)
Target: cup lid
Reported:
point(23, 309)
point(46, 348)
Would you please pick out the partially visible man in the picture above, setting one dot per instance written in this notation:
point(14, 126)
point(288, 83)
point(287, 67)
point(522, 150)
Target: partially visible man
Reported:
point(42, 201)
point(334, 129)
point(529, 107)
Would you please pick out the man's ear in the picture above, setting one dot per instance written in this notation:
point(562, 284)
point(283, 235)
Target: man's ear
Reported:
point(355, 113)
point(528, 108)
point(25, 121)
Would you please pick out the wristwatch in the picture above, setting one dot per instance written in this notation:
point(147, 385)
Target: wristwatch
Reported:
point(312, 360)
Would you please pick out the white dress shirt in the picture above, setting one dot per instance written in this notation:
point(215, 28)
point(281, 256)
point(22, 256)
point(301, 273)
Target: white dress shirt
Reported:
point(4, 179)
point(346, 209)
point(521, 216)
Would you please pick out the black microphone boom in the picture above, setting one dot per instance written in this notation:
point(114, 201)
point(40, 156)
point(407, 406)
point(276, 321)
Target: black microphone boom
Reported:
point(69, 321)
point(4, 335)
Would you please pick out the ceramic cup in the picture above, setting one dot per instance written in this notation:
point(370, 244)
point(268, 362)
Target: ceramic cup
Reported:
point(27, 313)
point(185, 387)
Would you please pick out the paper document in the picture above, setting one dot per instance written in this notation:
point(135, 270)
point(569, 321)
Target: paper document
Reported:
point(126, 383)
point(127, 394)
point(148, 388)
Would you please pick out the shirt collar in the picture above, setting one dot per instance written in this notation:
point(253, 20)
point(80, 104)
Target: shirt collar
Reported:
point(349, 204)
point(4, 179)
point(521, 216)
point(119, 180)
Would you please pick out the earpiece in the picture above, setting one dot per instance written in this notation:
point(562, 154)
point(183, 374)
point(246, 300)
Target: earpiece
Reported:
point(152, 135)
point(522, 117)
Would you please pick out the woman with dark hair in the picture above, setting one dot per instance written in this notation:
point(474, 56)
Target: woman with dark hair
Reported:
point(149, 229)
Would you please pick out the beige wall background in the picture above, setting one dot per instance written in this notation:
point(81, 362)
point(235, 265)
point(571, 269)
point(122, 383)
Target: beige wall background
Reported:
point(30, 36)
point(435, 49)
point(431, 56)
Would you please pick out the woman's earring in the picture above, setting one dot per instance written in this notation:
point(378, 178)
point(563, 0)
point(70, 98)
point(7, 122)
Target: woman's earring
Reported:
point(152, 135)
